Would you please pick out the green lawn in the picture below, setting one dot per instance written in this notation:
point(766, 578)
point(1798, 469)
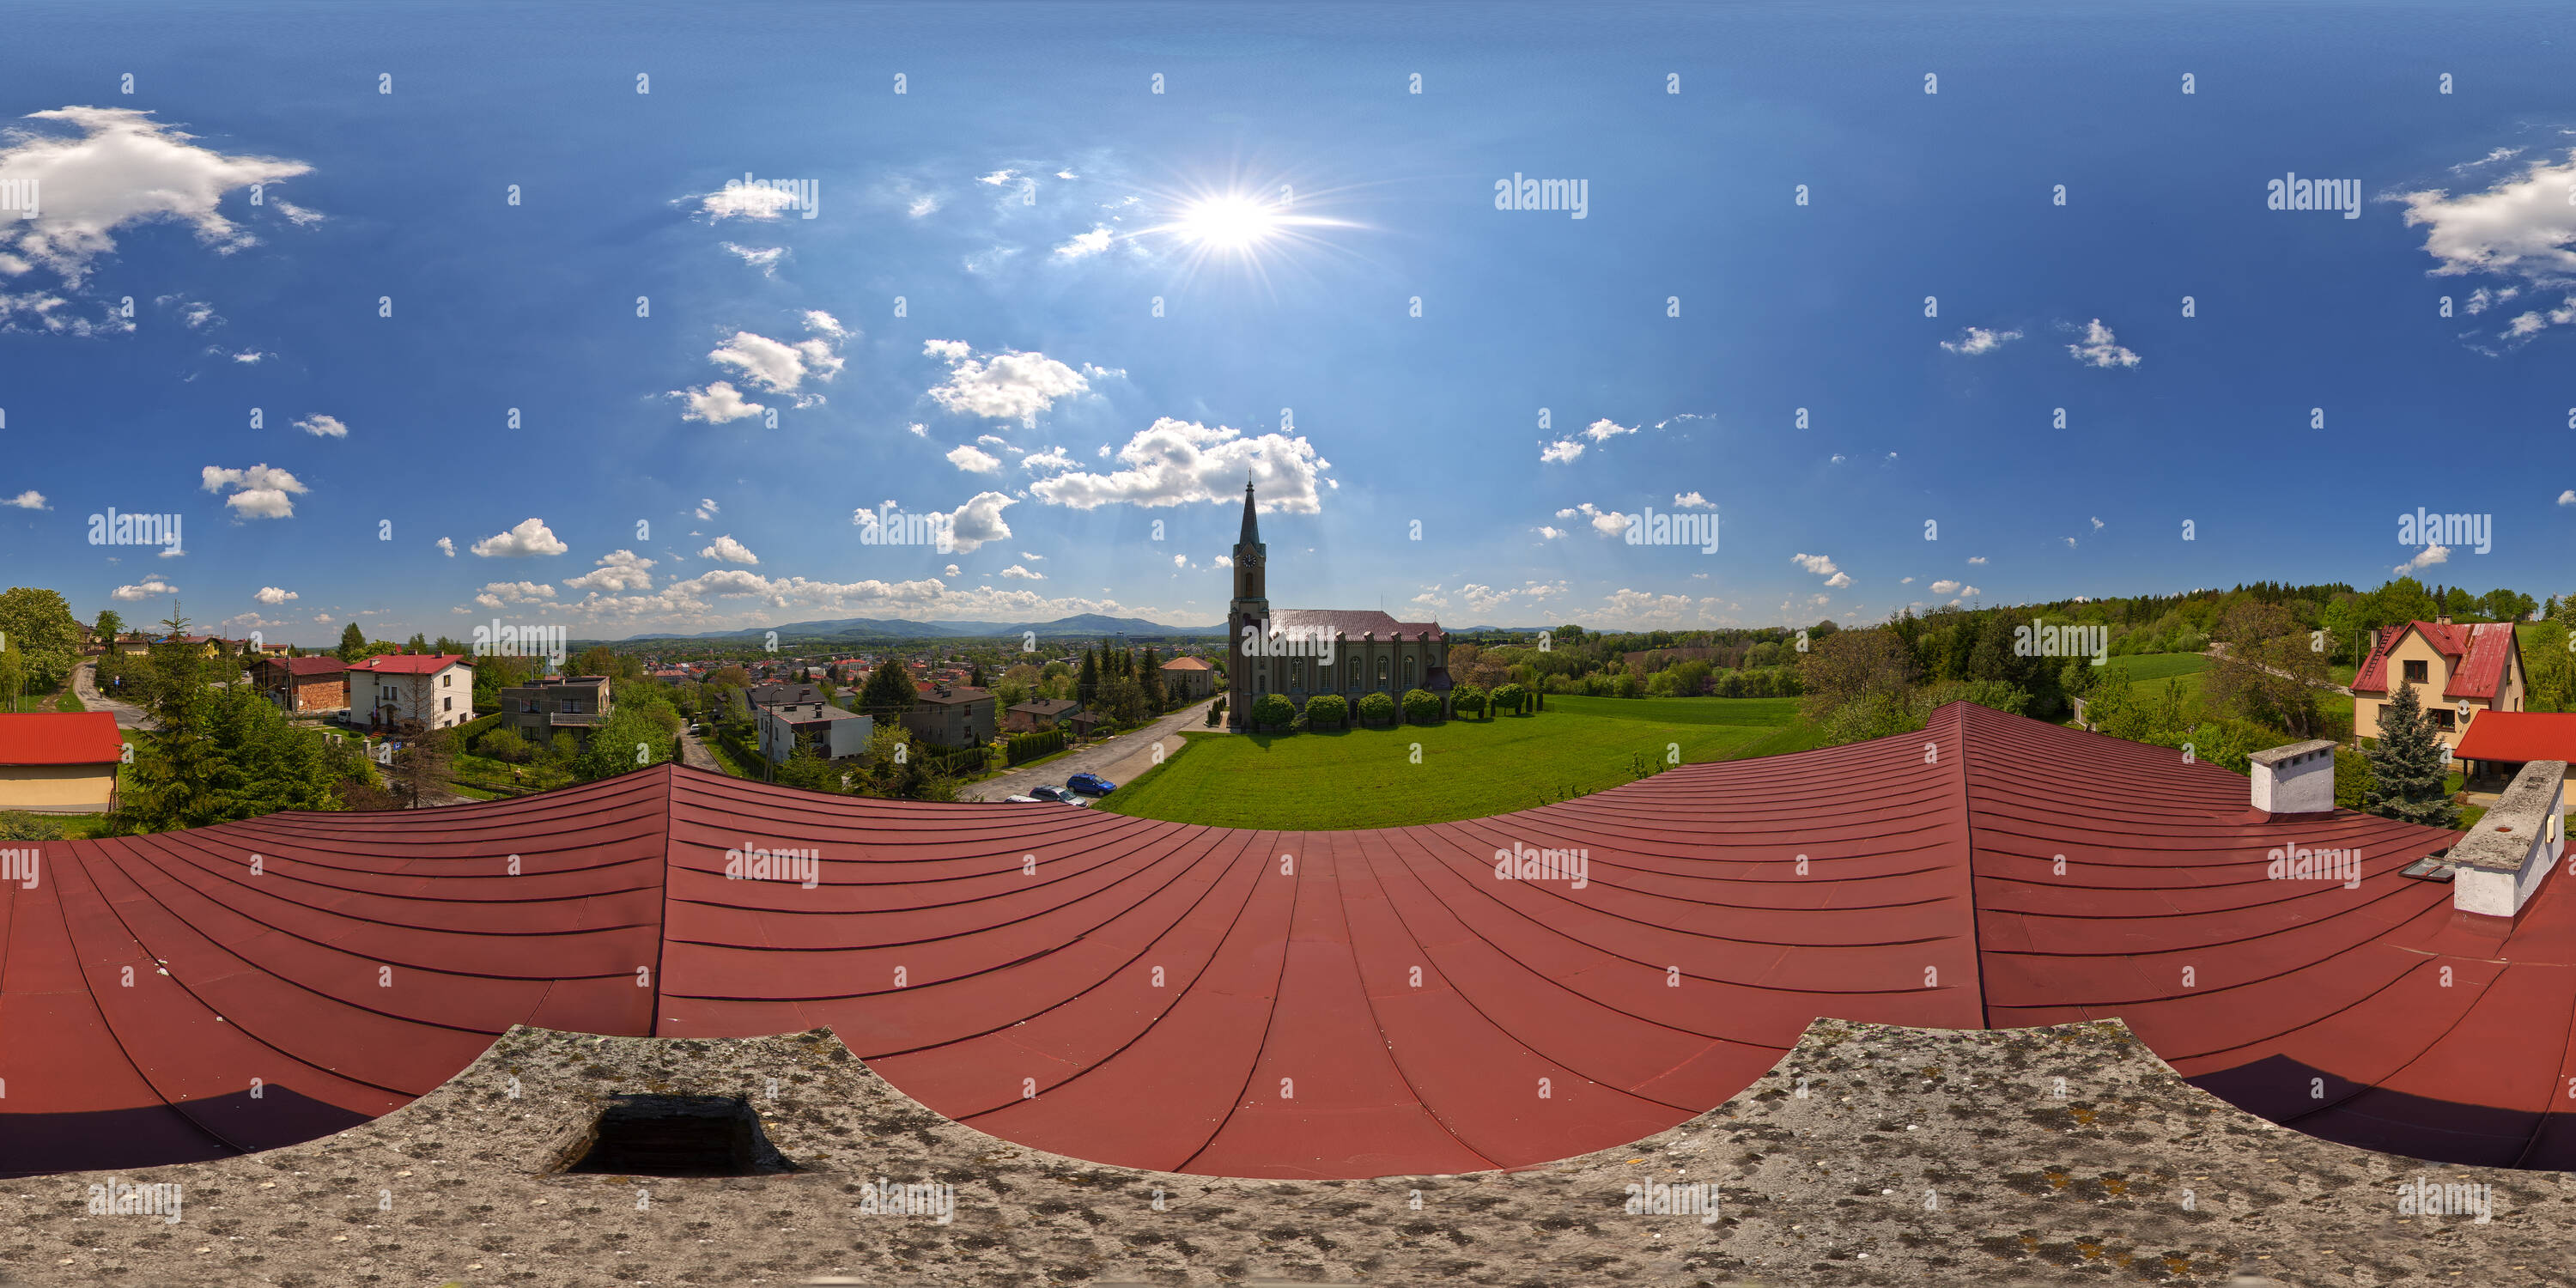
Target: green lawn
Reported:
point(2159, 666)
point(1470, 768)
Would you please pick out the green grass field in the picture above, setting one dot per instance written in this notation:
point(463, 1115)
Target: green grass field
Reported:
point(2160, 666)
point(1470, 768)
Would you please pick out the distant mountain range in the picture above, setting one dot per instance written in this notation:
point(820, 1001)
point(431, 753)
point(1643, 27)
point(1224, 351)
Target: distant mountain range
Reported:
point(1085, 626)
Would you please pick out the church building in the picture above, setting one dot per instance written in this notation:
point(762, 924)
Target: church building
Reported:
point(1301, 652)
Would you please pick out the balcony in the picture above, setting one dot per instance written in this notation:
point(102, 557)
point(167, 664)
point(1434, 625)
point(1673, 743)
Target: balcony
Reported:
point(575, 719)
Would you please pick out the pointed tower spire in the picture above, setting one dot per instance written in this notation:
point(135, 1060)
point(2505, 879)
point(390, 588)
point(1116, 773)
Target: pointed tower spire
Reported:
point(1251, 525)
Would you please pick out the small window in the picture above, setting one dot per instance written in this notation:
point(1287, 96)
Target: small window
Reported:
point(449, 704)
point(2415, 672)
point(446, 681)
point(2443, 719)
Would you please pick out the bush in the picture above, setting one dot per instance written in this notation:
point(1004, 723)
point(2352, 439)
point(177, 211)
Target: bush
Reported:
point(1216, 712)
point(506, 746)
point(1273, 711)
point(1029, 746)
point(1512, 698)
point(1377, 708)
point(1421, 706)
point(19, 825)
point(1469, 700)
point(1327, 711)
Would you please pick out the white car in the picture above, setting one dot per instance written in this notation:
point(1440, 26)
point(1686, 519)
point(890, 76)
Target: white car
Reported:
point(1022, 800)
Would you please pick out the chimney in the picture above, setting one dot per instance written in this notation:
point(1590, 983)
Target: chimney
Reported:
point(2296, 779)
point(2441, 619)
point(2514, 845)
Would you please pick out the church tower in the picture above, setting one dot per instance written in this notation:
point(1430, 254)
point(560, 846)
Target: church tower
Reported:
point(1250, 608)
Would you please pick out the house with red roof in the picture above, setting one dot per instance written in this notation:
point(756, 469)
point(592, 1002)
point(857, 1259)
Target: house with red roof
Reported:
point(2498, 744)
point(436, 689)
point(2458, 671)
point(319, 683)
point(59, 763)
point(1188, 679)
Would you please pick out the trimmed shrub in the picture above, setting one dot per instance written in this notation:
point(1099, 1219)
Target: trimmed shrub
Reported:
point(1029, 746)
point(1377, 708)
point(1470, 700)
point(1273, 711)
point(1216, 712)
point(1327, 711)
point(1512, 698)
point(1421, 706)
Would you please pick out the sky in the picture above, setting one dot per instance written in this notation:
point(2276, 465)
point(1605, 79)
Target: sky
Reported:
point(427, 316)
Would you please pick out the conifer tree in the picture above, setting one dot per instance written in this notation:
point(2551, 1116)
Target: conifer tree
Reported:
point(2410, 765)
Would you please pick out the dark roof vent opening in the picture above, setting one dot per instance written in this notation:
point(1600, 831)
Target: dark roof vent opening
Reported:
point(651, 1135)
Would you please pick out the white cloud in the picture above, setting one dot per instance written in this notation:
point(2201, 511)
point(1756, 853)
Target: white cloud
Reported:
point(2099, 350)
point(727, 550)
point(1024, 574)
point(145, 589)
point(250, 356)
point(2425, 558)
point(716, 404)
point(707, 509)
point(123, 169)
point(173, 552)
point(530, 537)
point(1977, 339)
point(1087, 244)
point(920, 430)
point(1969, 592)
point(1222, 561)
point(447, 547)
point(617, 570)
point(1904, 581)
point(979, 521)
point(998, 177)
point(2521, 226)
point(1976, 559)
point(1178, 462)
point(321, 426)
point(1693, 501)
point(1548, 533)
point(765, 258)
point(31, 499)
point(1006, 386)
point(776, 366)
point(193, 313)
point(258, 492)
point(818, 320)
point(1605, 429)
point(495, 594)
point(2070, 543)
point(1180, 561)
point(1560, 452)
point(952, 570)
point(2097, 523)
point(746, 201)
point(273, 595)
point(1032, 558)
point(973, 460)
point(1817, 564)
point(1945, 586)
point(1608, 523)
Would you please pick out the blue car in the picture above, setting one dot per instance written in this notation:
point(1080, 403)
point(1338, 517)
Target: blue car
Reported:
point(1090, 785)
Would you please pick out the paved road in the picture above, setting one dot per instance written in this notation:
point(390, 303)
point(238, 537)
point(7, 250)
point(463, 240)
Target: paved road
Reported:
point(1118, 759)
point(695, 755)
point(85, 688)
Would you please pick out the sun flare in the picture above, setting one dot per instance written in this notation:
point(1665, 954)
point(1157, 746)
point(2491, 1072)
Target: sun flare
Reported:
point(1230, 222)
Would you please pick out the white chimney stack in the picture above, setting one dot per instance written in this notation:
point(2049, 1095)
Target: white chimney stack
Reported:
point(2296, 779)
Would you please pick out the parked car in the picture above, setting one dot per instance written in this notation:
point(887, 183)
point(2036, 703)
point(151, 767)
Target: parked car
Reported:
point(1050, 794)
point(1090, 785)
point(1022, 800)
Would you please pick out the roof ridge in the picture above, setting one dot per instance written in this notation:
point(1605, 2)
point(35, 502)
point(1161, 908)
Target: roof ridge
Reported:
point(1958, 715)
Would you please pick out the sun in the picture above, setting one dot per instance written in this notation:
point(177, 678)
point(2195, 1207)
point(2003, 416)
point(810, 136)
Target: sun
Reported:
point(1227, 222)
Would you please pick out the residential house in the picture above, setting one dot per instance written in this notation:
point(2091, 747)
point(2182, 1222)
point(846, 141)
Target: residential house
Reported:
point(763, 696)
point(435, 689)
point(1029, 717)
point(303, 683)
point(59, 763)
point(833, 733)
point(549, 704)
point(2458, 672)
point(951, 717)
point(1188, 679)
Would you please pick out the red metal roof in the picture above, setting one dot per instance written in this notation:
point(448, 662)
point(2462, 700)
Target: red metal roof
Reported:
point(2477, 653)
point(2519, 736)
point(1159, 983)
point(410, 663)
point(59, 738)
point(308, 665)
point(1351, 622)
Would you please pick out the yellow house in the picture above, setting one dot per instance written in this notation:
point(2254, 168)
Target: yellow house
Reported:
point(2457, 671)
point(59, 763)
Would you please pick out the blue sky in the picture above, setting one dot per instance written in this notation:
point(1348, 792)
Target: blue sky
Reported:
point(1029, 197)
